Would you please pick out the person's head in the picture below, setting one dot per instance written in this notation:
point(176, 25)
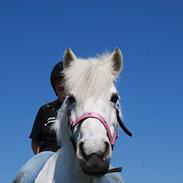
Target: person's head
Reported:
point(57, 81)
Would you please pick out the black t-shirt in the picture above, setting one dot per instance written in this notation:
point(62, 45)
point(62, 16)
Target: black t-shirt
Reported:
point(42, 131)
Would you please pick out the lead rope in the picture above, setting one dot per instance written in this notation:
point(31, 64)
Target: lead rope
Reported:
point(120, 121)
point(114, 170)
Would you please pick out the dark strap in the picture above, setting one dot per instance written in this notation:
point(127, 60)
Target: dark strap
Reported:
point(113, 170)
point(121, 124)
point(73, 143)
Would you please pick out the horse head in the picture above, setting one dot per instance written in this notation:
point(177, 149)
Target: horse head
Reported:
point(90, 113)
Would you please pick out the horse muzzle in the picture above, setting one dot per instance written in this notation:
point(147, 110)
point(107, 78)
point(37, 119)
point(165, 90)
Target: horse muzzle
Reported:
point(95, 165)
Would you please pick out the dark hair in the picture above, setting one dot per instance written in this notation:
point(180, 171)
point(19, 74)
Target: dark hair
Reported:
point(56, 74)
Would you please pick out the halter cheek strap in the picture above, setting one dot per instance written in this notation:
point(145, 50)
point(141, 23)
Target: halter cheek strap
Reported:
point(86, 115)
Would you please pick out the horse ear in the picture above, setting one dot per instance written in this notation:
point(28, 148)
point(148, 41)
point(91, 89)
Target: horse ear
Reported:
point(69, 57)
point(117, 59)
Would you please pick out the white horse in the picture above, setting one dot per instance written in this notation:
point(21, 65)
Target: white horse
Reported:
point(87, 123)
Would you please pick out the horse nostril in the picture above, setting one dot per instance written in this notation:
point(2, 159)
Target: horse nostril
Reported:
point(106, 146)
point(81, 147)
point(105, 152)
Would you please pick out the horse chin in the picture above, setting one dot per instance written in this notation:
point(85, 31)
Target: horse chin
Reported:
point(95, 166)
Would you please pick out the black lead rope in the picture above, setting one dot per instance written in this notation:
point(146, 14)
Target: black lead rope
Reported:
point(114, 170)
point(121, 124)
point(73, 143)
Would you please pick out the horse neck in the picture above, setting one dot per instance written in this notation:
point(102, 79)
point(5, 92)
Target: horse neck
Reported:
point(68, 167)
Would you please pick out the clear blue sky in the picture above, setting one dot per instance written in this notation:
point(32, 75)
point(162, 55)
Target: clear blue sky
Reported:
point(33, 37)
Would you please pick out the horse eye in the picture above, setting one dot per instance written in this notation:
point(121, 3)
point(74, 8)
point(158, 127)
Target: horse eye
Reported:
point(114, 98)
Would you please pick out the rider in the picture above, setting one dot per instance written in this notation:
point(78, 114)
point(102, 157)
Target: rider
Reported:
point(43, 137)
point(44, 143)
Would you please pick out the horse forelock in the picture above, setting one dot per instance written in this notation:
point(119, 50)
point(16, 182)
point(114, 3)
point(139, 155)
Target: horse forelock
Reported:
point(89, 77)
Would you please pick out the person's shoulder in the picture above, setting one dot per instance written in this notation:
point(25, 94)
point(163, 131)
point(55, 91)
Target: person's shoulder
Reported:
point(46, 105)
point(53, 104)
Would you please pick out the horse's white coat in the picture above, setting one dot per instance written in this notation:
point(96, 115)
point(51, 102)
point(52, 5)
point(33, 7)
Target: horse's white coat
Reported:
point(91, 82)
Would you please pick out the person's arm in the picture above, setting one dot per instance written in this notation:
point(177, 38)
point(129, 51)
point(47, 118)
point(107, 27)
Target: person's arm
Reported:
point(36, 132)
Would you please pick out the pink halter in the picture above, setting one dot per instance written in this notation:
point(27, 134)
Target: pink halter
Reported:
point(86, 115)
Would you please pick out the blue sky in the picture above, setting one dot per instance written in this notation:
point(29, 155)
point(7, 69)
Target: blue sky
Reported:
point(33, 37)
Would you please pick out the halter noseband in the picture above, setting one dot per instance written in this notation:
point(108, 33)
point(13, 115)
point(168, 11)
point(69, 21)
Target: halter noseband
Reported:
point(86, 115)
